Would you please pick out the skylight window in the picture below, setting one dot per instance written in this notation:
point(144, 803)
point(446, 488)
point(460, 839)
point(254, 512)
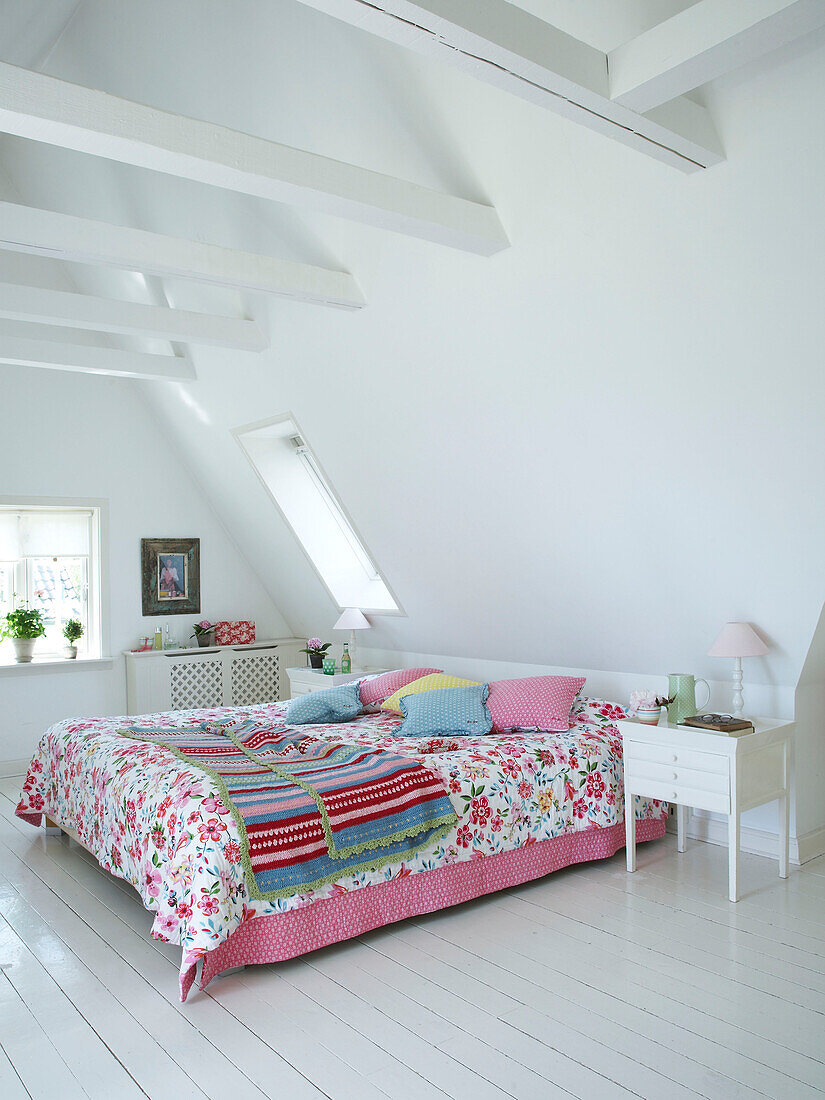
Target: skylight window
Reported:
point(285, 464)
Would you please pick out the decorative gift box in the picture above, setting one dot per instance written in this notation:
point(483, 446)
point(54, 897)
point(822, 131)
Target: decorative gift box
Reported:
point(241, 632)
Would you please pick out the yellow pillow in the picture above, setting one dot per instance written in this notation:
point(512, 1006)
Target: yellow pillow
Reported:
point(433, 682)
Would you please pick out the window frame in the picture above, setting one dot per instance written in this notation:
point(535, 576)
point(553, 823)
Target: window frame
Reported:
point(246, 429)
point(98, 626)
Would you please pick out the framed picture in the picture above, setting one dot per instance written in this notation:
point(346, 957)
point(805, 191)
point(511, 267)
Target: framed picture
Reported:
point(170, 576)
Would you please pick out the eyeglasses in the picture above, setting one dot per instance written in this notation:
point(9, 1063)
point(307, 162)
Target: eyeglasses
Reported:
point(720, 719)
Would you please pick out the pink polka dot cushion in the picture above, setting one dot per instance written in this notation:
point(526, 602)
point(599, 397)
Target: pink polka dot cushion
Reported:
point(536, 702)
point(375, 691)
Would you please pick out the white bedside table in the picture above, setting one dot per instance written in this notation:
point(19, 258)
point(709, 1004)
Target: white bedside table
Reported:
point(303, 680)
point(709, 771)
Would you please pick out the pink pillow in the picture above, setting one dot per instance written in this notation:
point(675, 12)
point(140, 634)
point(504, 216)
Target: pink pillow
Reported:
point(536, 702)
point(382, 687)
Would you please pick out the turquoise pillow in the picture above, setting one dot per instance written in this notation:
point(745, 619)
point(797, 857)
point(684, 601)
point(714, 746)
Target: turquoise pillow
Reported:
point(458, 711)
point(338, 704)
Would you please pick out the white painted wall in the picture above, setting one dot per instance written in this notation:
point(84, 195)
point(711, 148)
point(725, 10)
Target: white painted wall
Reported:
point(79, 436)
point(503, 430)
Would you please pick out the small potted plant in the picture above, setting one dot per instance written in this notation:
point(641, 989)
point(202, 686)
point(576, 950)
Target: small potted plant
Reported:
point(316, 650)
point(203, 631)
point(24, 626)
point(646, 706)
point(72, 632)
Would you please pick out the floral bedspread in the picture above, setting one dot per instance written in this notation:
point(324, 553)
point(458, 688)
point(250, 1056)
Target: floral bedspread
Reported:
point(160, 825)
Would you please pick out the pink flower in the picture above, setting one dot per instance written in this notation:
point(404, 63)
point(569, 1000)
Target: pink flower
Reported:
point(151, 880)
point(314, 643)
point(212, 829)
point(464, 837)
point(208, 905)
point(525, 789)
point(213, 806)
point(204, 624)
point(165, 925)
point(232, 851)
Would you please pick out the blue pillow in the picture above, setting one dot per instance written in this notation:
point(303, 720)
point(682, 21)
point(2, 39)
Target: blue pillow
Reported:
point(338, 704)
point(458, 711)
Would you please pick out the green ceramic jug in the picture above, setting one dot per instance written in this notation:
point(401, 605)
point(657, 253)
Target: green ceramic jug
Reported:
point(682, 690)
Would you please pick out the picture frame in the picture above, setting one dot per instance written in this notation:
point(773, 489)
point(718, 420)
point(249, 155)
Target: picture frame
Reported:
point(170, 575)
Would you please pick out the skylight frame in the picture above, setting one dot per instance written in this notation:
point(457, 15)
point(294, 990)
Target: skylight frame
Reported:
point(316, 468)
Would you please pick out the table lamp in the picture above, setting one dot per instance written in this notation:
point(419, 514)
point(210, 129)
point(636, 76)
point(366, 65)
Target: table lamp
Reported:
point(352, 620)
point(738, 640)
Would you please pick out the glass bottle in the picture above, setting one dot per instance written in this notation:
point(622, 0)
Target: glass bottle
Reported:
point(346, 660)
point(158, 640)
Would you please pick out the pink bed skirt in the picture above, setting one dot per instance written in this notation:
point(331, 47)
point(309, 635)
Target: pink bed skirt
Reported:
point(286, 935)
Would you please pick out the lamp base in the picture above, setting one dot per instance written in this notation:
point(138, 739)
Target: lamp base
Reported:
point(738, 700)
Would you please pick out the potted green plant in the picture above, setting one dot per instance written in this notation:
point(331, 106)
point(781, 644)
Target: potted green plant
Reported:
point(24, 626)
point(72, 632)
point(316, 649)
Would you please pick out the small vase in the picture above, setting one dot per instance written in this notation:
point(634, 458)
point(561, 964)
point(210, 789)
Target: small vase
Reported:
point(329, 666)
point(204, 639)
point(70, 652)
point(23, 649)
point(316, 660)
point(648, 716)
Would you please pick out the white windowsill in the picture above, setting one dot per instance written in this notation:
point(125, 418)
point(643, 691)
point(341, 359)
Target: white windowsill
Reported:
point(58, 664)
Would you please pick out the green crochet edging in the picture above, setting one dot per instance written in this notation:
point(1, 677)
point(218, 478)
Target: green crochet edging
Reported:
point(442, 825)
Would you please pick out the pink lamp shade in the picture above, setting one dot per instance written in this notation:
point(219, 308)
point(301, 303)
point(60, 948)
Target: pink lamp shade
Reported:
point(738, 640)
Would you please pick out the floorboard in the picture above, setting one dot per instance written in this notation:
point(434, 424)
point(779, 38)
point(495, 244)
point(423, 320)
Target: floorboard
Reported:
point(588, 983)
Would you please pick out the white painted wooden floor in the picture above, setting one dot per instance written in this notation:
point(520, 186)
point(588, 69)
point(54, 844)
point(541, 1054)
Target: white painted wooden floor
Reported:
point(591, 983)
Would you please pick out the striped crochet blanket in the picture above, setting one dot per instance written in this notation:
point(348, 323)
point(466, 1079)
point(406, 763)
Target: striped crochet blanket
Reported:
point(309, 811)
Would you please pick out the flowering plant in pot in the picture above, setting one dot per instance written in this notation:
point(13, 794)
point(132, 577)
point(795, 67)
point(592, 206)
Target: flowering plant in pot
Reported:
point(646, 706)
point(72, 632)
point(316, 649)
point(203, 631)
point(24, 626)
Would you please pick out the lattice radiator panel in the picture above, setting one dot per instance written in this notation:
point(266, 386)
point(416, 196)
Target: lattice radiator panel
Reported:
point(199, 678)
point(255, 679)
point(196, 683)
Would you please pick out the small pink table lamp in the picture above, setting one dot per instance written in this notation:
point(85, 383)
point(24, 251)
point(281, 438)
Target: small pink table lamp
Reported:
point(738, 640)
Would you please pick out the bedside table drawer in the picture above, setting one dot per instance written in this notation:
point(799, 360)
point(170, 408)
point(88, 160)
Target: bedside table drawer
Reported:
point(685, 786)
point(676, 776)
point(637, 752)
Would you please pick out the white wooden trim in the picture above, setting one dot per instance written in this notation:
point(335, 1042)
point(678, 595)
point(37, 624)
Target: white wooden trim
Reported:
point(34, 105)
point(505, 46)
point(65, 237)
point(702, 42)
point(84, 311)
point(90, 359)
point(760, 842)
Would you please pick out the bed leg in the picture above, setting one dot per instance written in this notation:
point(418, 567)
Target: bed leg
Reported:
point(51, 827)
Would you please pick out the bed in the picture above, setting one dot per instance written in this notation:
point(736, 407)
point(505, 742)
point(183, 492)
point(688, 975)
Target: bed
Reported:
point(526, 804)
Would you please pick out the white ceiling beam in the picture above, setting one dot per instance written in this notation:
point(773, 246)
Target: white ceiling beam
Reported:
point(702, 42)
point(511, 49)
point(43, 108)
point(65, 237)
point(83, 311)
point(22, 351)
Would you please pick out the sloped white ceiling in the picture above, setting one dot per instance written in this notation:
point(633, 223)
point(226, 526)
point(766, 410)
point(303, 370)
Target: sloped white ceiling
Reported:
point(591, 449)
